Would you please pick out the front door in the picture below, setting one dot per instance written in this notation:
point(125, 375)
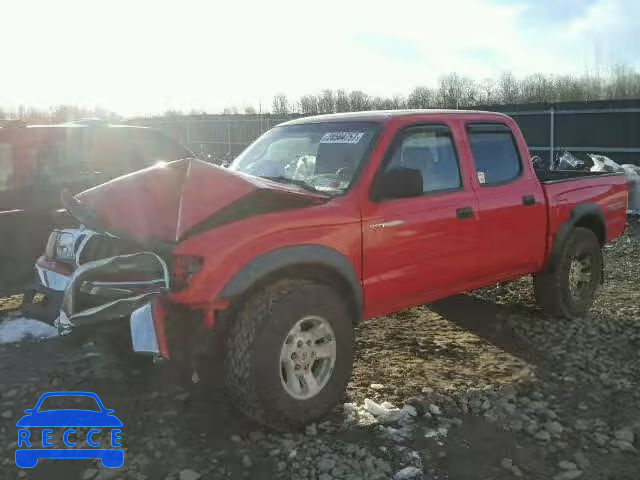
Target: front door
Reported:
point(417, 248)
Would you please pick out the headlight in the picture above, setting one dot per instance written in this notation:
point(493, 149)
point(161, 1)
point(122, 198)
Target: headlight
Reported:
point(64, 247)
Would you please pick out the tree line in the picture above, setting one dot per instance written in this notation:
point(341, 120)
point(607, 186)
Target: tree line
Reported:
point(58, 114)
point(451, 91)
point(459, 91)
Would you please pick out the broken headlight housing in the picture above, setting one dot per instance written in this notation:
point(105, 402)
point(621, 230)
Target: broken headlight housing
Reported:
point(50, 249)
point(65, 250)
point(184, 266)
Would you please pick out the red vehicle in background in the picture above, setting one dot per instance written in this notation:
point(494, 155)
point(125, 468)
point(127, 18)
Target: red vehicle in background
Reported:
point(323, 222)
point(38, 161)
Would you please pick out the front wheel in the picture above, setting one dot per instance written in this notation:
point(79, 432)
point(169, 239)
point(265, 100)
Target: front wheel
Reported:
point(290, 353)
point(567, 289)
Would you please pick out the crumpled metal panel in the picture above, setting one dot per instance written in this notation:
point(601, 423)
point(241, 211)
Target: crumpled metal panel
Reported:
point(124, 297)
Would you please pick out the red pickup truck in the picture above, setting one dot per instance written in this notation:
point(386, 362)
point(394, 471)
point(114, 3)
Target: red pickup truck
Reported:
point(320, 223)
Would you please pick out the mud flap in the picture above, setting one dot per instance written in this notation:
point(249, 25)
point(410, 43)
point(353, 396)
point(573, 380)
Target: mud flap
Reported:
point(123, 298)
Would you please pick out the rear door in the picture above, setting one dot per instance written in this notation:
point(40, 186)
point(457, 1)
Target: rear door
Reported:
point(416, 249)
point(513, 218)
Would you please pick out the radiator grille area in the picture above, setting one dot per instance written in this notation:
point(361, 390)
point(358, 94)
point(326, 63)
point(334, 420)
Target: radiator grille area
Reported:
point(98, 247)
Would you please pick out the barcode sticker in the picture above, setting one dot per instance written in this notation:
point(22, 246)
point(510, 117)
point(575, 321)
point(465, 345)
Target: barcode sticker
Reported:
point(341, 137)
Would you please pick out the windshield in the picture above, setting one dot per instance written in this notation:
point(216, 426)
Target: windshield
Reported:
point(322, 156)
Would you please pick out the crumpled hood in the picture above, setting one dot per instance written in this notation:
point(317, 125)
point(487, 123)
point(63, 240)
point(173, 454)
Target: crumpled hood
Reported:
point(171, 202)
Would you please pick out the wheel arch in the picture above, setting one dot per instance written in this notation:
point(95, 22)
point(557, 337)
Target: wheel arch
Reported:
point(313, 262)
point(586, 215)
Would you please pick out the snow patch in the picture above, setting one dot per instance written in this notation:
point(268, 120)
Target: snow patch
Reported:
point(407, 473)
point(436, 433)
point(17, 329)
point(396, 423)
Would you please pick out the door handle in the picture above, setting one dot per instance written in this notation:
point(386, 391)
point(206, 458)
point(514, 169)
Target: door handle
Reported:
point(392, 223)
point(463, 213)
point(528, 200)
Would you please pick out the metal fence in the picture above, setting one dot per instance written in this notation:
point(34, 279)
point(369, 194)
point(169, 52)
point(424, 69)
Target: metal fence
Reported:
point(607, 128)
point(610, 128)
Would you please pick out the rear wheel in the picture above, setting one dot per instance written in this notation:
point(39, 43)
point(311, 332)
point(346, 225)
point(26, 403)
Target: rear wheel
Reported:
point(567, 289)
point(290, 353)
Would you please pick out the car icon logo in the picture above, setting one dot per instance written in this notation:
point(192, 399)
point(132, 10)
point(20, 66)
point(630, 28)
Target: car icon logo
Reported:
point(69, 419)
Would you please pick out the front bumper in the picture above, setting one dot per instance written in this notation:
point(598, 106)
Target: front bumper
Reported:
point(42, 299)
point(42, 303)
point(83, 299)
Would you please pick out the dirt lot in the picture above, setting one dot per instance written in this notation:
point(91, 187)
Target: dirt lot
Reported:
point(491, 389)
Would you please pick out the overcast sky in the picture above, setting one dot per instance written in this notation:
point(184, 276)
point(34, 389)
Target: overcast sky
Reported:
point(139, 57)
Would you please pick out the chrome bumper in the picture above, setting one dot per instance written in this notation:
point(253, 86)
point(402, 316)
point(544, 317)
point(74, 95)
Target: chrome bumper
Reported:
point(124, 298)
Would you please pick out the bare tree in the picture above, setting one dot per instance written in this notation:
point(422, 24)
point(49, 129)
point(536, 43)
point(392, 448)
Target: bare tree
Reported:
point(456, 91)
point(326, 102)
point(508, 90)
point(342, 101)
point(420, 97)
point(594, 86)
point(309, 105)
point(359, 101)
point(624, 82)
point(537, 88)
point(398, 102)
point(388, 103)
point(280, 104)
point(487, 91)
point(250, 110)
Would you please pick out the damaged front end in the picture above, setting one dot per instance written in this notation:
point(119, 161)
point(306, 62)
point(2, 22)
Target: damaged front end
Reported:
point(129, 284)
point(125, 266)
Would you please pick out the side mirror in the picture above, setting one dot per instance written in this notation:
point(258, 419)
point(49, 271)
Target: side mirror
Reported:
point(399, 182)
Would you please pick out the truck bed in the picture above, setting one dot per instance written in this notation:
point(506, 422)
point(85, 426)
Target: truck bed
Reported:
point(554, 176)
point(566, 190)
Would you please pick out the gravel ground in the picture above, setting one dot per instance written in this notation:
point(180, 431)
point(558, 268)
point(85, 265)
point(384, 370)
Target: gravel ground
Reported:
point(478, 386)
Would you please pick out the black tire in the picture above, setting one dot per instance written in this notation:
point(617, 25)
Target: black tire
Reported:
point(553, 289)
point(254, 342)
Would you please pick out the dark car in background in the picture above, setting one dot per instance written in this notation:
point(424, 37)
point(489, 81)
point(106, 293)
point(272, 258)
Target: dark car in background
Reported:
point(38, 161)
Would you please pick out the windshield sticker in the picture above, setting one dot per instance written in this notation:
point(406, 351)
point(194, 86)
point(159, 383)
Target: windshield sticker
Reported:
point(341, 137)
point(481, 177)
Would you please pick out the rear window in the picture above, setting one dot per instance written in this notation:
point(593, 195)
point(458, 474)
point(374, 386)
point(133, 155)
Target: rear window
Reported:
point(495, 154)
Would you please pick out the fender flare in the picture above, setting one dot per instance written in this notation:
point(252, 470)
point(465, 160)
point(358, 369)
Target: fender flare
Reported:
point(580, 212)
point(287, 257)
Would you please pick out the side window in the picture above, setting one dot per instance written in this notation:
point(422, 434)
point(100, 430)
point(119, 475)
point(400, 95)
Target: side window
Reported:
point(111, 153)
point(58, 155)
point(495, 153)
point(6, 165)
point(430, 150)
